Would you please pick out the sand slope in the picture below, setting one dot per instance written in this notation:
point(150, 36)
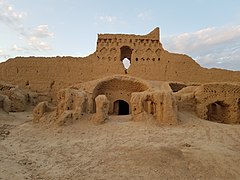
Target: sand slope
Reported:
point(118, 149)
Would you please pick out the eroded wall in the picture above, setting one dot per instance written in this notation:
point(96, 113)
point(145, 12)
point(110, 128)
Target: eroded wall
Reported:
point(76, 102)
point(118, 88)
point(219, 102)
point(148, 61)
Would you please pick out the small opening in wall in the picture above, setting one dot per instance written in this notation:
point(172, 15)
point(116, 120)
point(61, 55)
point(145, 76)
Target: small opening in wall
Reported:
point(125, 57)
point(121, 107)
point(126, 63)
point(136, 59)
point(218, 112)
point(177, 86)
point(52, 84)
point(27, 83)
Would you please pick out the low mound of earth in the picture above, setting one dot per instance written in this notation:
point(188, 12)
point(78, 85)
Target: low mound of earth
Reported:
point(118, 149)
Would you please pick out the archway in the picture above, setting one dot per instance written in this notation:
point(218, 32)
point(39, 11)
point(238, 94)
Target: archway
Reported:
point(121, 107)
point(218, 112)
point(117, 88)
point(126, 52)
point(126, 55)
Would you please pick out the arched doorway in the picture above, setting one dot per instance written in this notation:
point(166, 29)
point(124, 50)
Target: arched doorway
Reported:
point(121, 107)
point(126, 55)
point(126, 52)
point(117, 88)
point(218, 112)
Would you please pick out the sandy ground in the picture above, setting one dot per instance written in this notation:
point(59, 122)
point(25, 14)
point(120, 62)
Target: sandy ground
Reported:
point(118, 149)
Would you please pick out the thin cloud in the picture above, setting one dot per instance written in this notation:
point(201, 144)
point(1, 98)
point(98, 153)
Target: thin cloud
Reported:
point(3, 55)
point(203, 39)
point(222, 58)
point(42, 31)
point(211, 47)
point(33, 37)
point(16, 48)
point(146, 15)
point(34, 44)
point(107, 19)
point(37, 45)
point(10, 17)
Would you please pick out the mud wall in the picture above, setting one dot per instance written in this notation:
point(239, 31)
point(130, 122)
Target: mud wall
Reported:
point(49, 74)
point(148, 61)
point(222, 95)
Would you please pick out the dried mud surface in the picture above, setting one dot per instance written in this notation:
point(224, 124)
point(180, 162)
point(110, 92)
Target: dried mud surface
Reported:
point(118, 149)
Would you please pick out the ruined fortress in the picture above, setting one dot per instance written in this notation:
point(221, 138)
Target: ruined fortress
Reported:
point(157, 85)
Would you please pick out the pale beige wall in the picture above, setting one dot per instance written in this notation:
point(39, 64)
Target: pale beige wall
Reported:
point(118, 88)
point(227, 94)
point(148, 61)
point(42, 74)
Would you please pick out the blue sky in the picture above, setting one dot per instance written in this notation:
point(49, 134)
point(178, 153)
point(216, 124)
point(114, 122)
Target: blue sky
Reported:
point(207, 30)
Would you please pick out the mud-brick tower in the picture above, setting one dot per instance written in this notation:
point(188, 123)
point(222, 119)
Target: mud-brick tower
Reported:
point(116, 47)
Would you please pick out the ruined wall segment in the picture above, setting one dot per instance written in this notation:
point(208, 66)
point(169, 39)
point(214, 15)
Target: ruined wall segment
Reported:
point(148, 61)
point(45, 74)
point(219, 102)
point(134, 47)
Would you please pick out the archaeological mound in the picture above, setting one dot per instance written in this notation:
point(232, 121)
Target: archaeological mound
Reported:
point(128, 75)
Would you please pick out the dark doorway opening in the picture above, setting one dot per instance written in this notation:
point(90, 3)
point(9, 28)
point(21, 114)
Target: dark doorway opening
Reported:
point(177, 86)
point(126, 52)
point(218, 112)
point(121, 107)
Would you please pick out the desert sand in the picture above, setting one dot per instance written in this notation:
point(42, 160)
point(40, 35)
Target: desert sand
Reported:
point(118, 149)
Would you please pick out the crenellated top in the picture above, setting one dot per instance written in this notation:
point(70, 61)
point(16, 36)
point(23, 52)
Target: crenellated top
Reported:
point(153, 35)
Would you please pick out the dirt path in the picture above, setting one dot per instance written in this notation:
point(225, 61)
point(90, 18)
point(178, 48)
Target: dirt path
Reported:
point(119, 149)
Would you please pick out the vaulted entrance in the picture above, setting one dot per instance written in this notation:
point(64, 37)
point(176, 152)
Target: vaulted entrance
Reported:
point(218, 112)
point(121, 107)
point(118, 90)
